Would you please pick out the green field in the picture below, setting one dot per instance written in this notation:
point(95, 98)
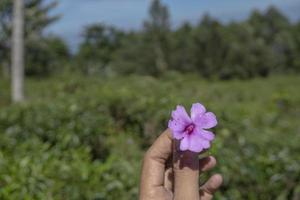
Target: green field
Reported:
point(83, 138)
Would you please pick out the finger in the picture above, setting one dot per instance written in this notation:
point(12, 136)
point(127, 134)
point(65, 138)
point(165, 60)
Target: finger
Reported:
point(186, 174)
point(169, 177)
point(210, 187)
point(168, 183)
point(207, 163)
point(153, 170)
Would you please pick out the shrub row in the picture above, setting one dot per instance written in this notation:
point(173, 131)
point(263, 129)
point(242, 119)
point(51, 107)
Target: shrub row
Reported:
point(78, 138)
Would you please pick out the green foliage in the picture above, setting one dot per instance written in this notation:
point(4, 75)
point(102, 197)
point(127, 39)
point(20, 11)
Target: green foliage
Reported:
point(183, 46)
point(46, 55)
point(148, 51)
point(95, 52)
point(131, 59)
point(157, 30)
point(78, 138)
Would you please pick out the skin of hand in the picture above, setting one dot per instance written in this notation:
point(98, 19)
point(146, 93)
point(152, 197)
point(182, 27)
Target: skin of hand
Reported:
point(178, 180)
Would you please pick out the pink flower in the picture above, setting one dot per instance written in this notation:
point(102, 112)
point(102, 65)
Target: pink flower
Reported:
point(191, 130)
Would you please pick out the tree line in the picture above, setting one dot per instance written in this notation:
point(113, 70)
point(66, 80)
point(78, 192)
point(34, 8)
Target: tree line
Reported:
point(265, 43)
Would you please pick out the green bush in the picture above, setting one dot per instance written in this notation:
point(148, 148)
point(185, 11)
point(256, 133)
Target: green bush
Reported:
point(79, 138)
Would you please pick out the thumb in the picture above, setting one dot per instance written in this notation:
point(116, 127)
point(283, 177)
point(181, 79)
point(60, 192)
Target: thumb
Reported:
point(186, 174)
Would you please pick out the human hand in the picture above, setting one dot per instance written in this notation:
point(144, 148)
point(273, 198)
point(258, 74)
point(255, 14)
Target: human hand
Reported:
point(169, 173)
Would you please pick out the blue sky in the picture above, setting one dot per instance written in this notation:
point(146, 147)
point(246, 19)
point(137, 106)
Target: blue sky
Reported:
point(129, 14)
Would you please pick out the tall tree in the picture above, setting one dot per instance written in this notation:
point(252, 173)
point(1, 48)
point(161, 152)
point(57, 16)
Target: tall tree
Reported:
point(157, 28)
point(274, 29)
point(183, 48)
point(96, 50)
point(18, 52)
point(211, 46)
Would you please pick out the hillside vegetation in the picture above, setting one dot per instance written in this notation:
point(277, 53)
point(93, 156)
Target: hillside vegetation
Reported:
point(69, 138)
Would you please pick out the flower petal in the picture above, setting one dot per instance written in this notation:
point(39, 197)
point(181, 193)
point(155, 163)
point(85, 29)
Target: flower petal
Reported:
point(196, 143)
point(197, 110)
point(181, 116)
point(176, 126)
point(207, 135)
point(205, 144)
point(184, 143)
point(207, 120)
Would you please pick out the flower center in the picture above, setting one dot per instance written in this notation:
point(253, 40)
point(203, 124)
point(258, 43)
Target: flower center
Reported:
point(190, 128)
